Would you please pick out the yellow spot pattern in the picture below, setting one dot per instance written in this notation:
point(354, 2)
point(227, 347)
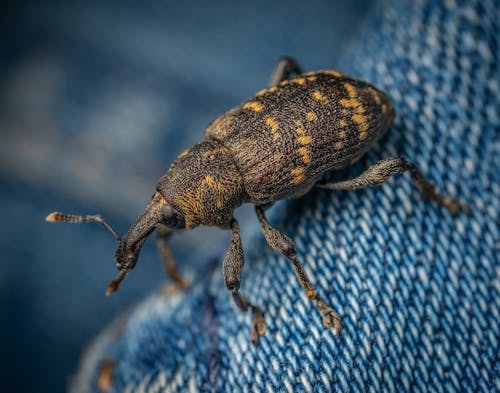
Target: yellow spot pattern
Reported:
point(351, 90)
point(333, 73)
point(358, 116)
point(311, 116)
point(305, 155)
point(209, 181)
point(191, 205)
point(298, 175)
point(304, 140)
point(320, 97)
point(350, 103)
point(192, 202)
point(342, 123)
point(273, 123)
point(299, 81)
point(360, 119)
point(214, 186)
point(339, 145)
point(272, 89)
point(184, 153)
point(254, 106)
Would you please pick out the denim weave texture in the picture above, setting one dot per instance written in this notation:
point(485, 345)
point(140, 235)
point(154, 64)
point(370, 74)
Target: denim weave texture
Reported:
point(418, 289)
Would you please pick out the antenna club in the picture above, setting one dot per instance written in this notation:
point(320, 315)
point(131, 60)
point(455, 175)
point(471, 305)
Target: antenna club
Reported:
point(54, 217)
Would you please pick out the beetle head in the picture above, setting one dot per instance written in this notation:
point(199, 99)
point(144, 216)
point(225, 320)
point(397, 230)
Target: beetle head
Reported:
point(159, 211)
point(202, 186)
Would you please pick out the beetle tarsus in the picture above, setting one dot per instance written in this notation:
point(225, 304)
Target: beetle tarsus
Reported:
point(381, 171)
point(428, 191)
point(115, 283)
point(330, 318)
point(259, 325)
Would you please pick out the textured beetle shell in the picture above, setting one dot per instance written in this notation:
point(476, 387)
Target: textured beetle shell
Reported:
point(286, 137)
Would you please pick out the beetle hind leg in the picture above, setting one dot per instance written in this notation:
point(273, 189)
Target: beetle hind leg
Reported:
point(233, 266)
point(259, 326)
point(283, 244)
point(381, 171)
point(283, 69)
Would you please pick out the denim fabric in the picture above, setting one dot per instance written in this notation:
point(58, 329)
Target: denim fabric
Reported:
point(418, 289)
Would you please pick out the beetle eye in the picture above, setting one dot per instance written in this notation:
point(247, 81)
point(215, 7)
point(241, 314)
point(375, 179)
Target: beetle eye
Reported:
point(171, 218)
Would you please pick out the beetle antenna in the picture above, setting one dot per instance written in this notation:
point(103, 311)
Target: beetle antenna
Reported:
point(57, 217)
point(113, 285)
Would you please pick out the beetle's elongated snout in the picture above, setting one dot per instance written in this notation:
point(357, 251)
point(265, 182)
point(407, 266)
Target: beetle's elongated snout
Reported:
point(130, 245)
point(158, 211)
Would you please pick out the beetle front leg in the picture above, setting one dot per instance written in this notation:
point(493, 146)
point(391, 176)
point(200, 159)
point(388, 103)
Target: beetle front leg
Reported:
point(283, 69)
point(283, 244)
point(163, 233)
point(381, 171)
point(233, 265)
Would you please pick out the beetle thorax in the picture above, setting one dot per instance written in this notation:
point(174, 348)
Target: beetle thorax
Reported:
point(204, 184)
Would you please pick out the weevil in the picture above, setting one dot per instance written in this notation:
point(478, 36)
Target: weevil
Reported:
point(277, 145)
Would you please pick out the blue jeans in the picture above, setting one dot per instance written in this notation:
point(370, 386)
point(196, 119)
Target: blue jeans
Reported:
point(418, 289)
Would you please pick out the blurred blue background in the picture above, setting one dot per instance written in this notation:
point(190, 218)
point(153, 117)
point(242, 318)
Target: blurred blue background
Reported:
point(96, 100)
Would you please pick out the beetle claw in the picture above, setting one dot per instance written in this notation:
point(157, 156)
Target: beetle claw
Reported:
point(330, 318)
point(259, 325)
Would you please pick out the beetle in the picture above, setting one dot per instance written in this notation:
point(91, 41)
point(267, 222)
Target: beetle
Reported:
point(277, 145)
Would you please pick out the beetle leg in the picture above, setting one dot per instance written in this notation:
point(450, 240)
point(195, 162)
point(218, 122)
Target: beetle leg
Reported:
point(283, 69)
point(283, 244)
point(105, 377)
point(381, 171)
point(233, 265)
point(163, 233)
